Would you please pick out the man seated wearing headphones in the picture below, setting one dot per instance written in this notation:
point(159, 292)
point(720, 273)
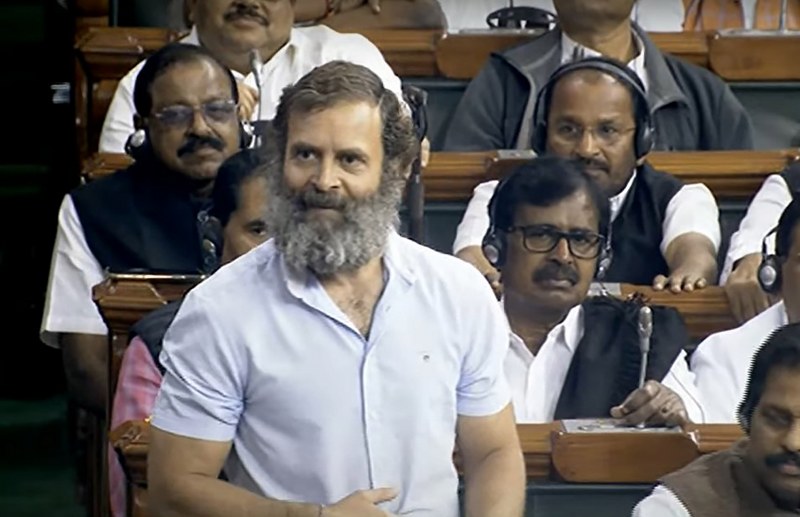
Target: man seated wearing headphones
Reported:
point(143, 218)
point(549, 224)
point(740, 270)
point(230, 30)
point(692, 108)
point(663, 233)
point(721, 363)
point(239, 202)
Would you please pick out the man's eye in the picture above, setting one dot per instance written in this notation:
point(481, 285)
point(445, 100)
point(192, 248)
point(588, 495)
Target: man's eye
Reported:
point(304, 154)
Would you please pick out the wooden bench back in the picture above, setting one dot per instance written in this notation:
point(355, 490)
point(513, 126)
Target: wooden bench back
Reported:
point(453, 176)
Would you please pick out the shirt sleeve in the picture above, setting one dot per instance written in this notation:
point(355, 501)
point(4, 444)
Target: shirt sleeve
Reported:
point(118, 124)
point(74, 271)
point(475, 222)
point(482, 389)
point(692, 209)
point(762, 215)
point(202, 394)
point(715, 379)
point(681, 380)
point(661, 503)
point(137, 384)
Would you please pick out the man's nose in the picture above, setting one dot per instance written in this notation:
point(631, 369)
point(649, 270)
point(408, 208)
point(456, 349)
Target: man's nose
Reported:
point(561, 252)
point(587, 145)
point(199, 124)
point(791, 441)
point(327, 177)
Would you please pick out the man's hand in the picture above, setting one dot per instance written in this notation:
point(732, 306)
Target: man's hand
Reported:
point(424, 152)
point(679, 281)
point(744, 293)
point(653, 404)
point(474, 255)
point(248, 100)
point(361, 504)
point(375, 5)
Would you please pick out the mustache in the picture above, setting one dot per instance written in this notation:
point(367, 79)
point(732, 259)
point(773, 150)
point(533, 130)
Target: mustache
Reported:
point(245, 10)
point(556, 271)
point(313, 198)
point(196, 142)
point(776, 460)
point(591, 163)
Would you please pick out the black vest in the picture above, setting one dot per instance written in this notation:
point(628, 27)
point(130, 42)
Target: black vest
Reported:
point(791, 175)
point(638, 229)
point(605, 367)
point(142, 219)
point(151, 329)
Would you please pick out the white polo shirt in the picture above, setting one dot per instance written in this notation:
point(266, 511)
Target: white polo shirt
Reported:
point(308, 48)
point(536, 381)
point(721, 363)
point(263, 357)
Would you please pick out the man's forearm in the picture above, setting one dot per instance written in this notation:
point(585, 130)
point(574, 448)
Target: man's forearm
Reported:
point(496, 486)
point(202, 496)
point(85, 369)
point(693, 254)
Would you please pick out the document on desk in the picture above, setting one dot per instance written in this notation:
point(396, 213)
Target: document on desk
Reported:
point(609, 425)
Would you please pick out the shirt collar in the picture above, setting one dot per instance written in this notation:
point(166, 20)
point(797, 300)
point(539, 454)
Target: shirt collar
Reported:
point(616, 202)
point(569, 332)
point(296, 40)
point(572, 50)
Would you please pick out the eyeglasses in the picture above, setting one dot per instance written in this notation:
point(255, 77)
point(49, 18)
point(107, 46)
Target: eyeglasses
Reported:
point(181, 115)
point(607, 134)
point(543, 239)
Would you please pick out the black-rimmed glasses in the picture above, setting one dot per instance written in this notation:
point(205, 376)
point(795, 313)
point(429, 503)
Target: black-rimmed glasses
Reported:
point(543, 239)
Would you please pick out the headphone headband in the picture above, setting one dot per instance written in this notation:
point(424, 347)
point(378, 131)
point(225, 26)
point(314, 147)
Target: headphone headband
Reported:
point(644, 139)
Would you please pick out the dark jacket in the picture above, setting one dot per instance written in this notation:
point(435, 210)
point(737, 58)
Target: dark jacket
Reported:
point(638, 230)
point(142, 219)
point(723, 483)
point(692, 108)
point(605, 367)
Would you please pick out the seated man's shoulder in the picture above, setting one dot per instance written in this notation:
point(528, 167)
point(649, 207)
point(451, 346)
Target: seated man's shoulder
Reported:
point(742, 340)
point(108, 188)
point(693, 77)
point(328, 40)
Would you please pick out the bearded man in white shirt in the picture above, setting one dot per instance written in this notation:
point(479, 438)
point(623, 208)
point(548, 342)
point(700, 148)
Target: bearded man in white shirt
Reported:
point(549, 226)
point(231, 30)
point(721, 363)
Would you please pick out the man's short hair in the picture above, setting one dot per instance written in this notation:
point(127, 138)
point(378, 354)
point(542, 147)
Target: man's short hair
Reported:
point(780, 350)
point(543, 182)
point(786, 225)
point(166, 57)
point(338, 82)
point(232, 174)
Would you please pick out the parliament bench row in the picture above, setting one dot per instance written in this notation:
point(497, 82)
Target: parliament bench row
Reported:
point(733, 176)
point(442, 64)
point(604, 472)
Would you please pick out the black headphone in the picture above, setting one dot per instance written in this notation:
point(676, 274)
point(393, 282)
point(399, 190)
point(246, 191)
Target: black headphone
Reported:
point(769, 271)
point(495, 241)
point(645, 129)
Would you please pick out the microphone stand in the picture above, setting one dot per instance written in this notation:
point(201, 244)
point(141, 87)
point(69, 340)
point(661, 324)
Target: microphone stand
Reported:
point(417, 101)
point(645, 330)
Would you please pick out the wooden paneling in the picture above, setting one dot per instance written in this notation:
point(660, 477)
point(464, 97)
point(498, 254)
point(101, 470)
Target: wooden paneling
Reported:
point(453, 176)
point(771, 57)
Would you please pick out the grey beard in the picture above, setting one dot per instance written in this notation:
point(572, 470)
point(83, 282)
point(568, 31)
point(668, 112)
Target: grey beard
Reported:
point(327, 247)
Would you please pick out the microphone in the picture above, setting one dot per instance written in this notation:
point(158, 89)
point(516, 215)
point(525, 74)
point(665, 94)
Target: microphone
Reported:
point(645, 329)
point(255, 68)
point(417, 101)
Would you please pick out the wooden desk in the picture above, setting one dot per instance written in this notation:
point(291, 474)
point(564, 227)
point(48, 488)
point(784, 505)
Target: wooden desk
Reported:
point(453, 176)
point(549, 453)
